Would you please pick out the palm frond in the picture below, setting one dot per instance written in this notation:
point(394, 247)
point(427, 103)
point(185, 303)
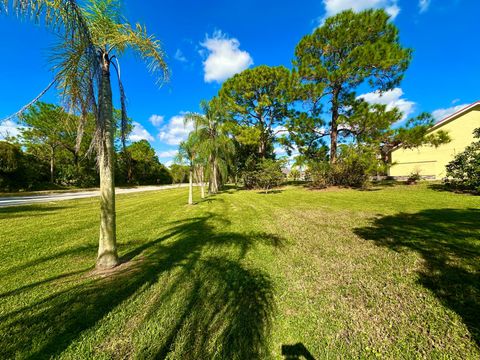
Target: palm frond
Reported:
point(146, 46)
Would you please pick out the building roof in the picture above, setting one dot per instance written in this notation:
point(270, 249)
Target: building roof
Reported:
point(455, 115)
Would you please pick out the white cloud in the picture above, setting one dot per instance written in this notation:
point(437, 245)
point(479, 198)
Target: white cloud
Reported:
point(333, 7)
point(139, 133)
point(224, 59)
point(156, 120)
point(423, 5)
point(391, 98)
point(454, 101)
point(440, 114)
point(175, 131)
point(8, 129)
point(167, 154)
point(180, 56)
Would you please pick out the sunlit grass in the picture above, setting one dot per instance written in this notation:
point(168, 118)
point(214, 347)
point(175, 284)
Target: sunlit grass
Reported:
point(390, 272)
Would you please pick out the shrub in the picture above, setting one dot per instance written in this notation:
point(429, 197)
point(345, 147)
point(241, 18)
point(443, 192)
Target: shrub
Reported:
point(463, 172)
point(265, 174)
point(19, 170)
point(413, 177)
point(352, 169)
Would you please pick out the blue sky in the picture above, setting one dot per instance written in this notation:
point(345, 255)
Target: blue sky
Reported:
point(209, 41)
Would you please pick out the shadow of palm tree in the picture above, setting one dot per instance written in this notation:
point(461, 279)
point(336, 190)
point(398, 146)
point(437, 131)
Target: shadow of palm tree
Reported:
point(226, 306)
point(449, 241)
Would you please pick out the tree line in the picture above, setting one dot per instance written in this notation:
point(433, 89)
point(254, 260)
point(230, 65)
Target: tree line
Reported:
point(313, 110)
point(54, 149)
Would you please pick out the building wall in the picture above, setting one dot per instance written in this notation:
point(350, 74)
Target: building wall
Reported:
point(431, 161)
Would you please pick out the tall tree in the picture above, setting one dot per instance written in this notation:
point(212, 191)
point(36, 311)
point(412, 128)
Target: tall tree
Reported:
point(93, 38)
point(258, 100)
point(350, 49)
point(111, 35)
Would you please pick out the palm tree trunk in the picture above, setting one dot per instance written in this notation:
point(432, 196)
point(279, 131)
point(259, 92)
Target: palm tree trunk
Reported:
point(215, 176)
point(107, 247)
point(190, 187)
point(202, 183)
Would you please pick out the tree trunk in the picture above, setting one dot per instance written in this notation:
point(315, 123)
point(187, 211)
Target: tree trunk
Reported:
point(190, 187)
point(213, 182)
point(52, 164)
point(215, 176)
point(334, 128)
point(107, 247)
point(202, 184)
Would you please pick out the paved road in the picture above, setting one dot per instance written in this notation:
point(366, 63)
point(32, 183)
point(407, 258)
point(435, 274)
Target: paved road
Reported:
point(33, 199)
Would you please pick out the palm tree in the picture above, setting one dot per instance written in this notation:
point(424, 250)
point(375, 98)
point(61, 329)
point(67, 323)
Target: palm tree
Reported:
point(188, 153)
point(214, 143)
point(93, 39)
point(84, 76)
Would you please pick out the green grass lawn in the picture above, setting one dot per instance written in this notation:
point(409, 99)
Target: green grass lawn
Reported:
point(391, 272)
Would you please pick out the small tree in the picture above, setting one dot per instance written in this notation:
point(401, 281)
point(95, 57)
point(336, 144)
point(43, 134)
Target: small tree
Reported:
point(464, 170)
point(268, 174)
point(188, 154)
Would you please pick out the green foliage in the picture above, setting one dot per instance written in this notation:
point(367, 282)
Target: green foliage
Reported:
point(348, 50)
point(139, 165)
point(352, 169)
point(179, 173)
point(414, 177)
point(294, 174)
point(463, 172)
point(9, 157)
point(265, 174)
point(258, 100)
point(372, 125)
point(214, 148)
point(19, 171)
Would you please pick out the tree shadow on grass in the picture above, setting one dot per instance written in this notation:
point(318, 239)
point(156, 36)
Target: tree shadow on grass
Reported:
point(17, 211)
point(449, 241)
point(442, 187)
point(226, 306)
point(296, 352)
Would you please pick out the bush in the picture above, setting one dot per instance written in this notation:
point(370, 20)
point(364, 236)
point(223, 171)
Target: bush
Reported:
point(414, 177)
point(19, 170)
point(463, 172)
point(265, 175)
point(352, 169)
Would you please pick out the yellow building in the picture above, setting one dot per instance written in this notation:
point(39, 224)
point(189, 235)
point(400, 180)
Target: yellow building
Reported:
point(430, 161)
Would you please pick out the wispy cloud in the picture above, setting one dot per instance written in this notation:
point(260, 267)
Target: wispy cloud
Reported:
point(423, 5)
point(180, 56)
point(440, 114)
